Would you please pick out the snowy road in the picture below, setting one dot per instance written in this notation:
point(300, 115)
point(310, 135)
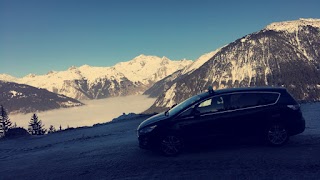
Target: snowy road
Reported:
point(111, 152)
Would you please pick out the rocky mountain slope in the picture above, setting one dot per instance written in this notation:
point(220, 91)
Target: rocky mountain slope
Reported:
point(86, 82)
point(163, 85)
point(282, 54)
point(20, 98)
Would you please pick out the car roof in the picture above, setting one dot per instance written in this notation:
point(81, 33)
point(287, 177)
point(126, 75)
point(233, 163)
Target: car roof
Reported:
point(246, 89)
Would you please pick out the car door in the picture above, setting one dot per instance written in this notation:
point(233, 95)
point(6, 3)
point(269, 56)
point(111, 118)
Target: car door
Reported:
point(248, 113)
point(203, 120)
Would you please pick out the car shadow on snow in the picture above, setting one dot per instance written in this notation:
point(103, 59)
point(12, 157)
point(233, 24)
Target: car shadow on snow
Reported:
point(224, 144)
point(209, 146)
point(302, 141)
point(231, 145)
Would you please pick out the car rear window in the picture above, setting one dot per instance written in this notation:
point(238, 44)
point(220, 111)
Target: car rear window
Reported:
point(267, 98)
point(286, 98)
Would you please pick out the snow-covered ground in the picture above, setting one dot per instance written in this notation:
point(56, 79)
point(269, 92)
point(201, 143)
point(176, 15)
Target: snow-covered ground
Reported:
point(110, 151)
point(95, 111)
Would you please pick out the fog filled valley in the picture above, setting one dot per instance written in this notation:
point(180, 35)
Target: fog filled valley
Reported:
point(93, 112)
point(110, 151)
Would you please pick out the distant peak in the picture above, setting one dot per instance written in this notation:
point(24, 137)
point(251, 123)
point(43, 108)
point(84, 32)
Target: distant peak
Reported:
point(50, 72)
point(292, 26)
point(141, 55)
point(7, 77)
point(31, 75)
point(165, 58)
point(309, 19)
point(72, 68)
point(85, 65)
point(145, 58)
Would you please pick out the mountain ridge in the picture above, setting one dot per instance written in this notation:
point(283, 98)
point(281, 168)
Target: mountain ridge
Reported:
point(88, 82)
point(287, 58)
point(21, 98)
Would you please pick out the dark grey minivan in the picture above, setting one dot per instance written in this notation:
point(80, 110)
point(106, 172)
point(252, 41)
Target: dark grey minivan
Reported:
point(268, 112)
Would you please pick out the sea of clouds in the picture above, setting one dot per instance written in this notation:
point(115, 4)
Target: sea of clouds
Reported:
point(95, 111)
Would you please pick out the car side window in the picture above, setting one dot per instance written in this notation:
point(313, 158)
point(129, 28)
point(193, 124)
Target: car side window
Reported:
point(187, 112)
point(244, 100)
point(214, 104)
point(205, 103)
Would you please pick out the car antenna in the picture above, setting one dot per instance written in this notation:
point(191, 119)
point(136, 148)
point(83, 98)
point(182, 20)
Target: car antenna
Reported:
point(210, 90)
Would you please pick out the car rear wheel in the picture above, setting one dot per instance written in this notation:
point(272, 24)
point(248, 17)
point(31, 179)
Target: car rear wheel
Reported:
point(171, 145)
point(277, 135)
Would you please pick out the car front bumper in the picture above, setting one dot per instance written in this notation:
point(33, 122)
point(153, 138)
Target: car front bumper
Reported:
point(147, 142)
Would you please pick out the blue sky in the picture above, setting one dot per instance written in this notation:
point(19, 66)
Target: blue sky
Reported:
point(37, 36)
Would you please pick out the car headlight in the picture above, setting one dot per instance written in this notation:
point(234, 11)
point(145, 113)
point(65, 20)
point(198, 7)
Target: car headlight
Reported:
point(147, 129)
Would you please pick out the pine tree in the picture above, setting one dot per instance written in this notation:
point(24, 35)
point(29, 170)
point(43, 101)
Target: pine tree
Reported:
point(4, 121)
point(35, 126)
point(51, 129)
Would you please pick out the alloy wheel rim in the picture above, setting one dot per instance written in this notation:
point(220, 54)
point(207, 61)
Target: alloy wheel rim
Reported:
point(171, 145)
point(277, 135)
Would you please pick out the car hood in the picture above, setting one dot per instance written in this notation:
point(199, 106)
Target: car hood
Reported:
point(153, 119)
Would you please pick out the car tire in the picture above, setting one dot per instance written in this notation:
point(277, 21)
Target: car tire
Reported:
point(277, 134)
point(171, 145)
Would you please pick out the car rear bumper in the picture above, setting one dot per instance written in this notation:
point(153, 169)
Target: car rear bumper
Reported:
point(298, 127)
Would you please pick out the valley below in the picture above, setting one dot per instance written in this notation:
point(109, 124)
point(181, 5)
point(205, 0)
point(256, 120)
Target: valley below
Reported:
point(110, 151)
point(92, 112)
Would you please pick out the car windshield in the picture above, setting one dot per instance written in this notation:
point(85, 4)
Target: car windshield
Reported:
point(176, 109)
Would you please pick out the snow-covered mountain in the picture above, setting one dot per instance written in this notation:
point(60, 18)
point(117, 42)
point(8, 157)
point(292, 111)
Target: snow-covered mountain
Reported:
point(149, 69)
point(163, 85)
point(7, 78)
point(21, 98)
point(282, 54)
point(86, 82)
point(293, 26)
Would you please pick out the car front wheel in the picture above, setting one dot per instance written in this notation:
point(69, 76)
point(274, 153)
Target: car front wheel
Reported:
point(277, 135)
point(171, 145)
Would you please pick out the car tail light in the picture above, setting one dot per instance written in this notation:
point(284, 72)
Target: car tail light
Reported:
point(294, 107)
